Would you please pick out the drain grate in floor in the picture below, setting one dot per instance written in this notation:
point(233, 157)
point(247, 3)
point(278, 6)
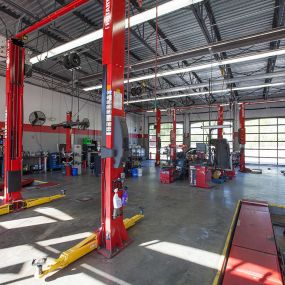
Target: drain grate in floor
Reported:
point(84, 199)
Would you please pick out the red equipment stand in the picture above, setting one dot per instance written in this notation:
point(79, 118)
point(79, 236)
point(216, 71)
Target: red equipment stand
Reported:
point(253, 257)
point(242, 138)
point(68, 149)
point(112, 235)
point(203, 177)
point(166, 175)
point(158, 142)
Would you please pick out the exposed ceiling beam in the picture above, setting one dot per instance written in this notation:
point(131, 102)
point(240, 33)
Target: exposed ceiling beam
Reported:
point(278, 21)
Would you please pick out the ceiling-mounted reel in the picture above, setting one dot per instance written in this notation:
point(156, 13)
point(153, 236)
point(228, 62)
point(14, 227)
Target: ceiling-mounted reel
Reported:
point(72, 61)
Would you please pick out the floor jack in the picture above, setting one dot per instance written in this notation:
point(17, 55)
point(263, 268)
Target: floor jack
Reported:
point(112, 236)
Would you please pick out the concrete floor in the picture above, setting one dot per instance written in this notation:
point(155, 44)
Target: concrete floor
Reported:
point(178, 242)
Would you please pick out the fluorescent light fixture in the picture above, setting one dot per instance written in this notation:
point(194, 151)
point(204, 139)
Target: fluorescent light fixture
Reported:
point(199, 67)
point(169, 7)
point(204, 93)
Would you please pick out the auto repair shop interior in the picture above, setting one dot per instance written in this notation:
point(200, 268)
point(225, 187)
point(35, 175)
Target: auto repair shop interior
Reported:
point(142, 142)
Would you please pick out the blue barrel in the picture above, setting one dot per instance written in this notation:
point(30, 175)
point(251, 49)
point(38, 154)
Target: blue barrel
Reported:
point(134, 172)
point(74, 171)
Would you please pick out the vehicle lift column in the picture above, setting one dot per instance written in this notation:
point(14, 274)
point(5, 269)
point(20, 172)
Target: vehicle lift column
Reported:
point(242, 138)
point(112, 236)
point(220, 121)
point(173, 139)
point(158, 139)
point(15, 63)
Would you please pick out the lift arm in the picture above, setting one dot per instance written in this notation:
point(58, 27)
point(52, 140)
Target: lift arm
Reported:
point(28, 203)
point(84, 247)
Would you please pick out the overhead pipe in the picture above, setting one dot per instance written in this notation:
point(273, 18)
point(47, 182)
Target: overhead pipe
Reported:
point(221, 82)
point(51, 17)
point(275, 34)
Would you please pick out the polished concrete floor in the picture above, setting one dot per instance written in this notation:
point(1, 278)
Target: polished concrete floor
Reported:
point(178, 242)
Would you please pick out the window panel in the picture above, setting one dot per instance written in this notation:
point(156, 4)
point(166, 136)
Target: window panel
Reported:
point(252, 129)
point(268, 129)
point(254, 160)
point(281, 137)
point(251, 122)
point(196, 138)
point(281, 145)
point(268, 145)
point(252, 145)
point(281, 161)
point(152, 144)
point(252, 137)
point(152, 132)
point(251, 152)
point(166, 126)
point(281, 121)
point(281, 128)
point(197, 131)
point(268, 153)
point(268, 121)
point(264, 160)
point(281, 153)
point(268, 137)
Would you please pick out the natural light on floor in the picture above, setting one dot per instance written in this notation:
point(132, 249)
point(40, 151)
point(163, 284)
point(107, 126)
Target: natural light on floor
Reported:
point(53, 213)
point(26, 222)
point(109, 277)
point(188, 253)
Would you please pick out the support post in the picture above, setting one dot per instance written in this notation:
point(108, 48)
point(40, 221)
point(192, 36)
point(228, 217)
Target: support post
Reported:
point(173, 138)
point(235, 109)
point(13, 120)
point(242, 139)
point(158, 141)
point(112, 236)
point(220, 121)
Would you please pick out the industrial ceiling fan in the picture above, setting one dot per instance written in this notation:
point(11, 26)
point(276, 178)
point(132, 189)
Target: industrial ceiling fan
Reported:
point(37, 118)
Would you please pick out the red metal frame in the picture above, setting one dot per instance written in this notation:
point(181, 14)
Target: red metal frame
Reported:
point(14, 105)
point(53, 16)
point(173, 137)
point(220, 121)
point(13, 120)
point(242, 138)
point(158, 142)
point(112, 235)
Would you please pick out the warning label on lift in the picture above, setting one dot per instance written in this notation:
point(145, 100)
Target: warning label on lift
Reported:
point(109, 113)
point(118, 100)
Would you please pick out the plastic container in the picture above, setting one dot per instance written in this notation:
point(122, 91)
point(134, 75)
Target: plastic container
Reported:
point(140, 172)
point(74, 171)
point(134, 172)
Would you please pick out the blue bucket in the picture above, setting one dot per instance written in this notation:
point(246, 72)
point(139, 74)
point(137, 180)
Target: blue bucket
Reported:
point(74, 171)
point(134, 172)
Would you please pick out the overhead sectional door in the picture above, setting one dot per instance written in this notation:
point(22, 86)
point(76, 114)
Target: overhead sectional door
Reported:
point(165, 138)
point(265, 141)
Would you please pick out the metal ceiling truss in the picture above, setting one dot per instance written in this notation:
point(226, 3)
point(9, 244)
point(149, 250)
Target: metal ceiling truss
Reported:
point(204, 15)
point(278, 21)
point(168, 44)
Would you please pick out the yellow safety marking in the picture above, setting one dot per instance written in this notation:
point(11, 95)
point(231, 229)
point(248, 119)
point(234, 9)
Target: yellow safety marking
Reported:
point(277, 206)
point(5, 209)
point(226, 246)
point(87, 245)
point(129, 222)
point(28, 203)
point(38, 201)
